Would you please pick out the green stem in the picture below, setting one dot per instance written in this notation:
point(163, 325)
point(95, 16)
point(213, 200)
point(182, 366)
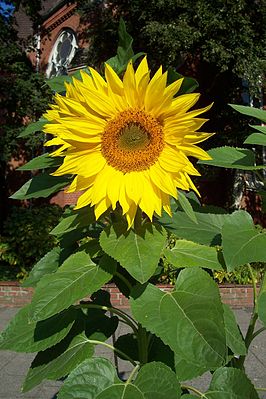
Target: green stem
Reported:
point(260, 389)
point(125, 281)
point(132, 374)
point(196, 391)
point(142, 345)
point(250, 332)
point(96, 342)
point(258, 332)
point(254, 287)
point(127, 319)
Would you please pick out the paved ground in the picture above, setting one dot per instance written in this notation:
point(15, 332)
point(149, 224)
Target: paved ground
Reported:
point(14, 366)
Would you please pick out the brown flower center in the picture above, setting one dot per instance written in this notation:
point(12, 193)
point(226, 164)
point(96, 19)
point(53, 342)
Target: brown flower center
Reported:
point(132, 141)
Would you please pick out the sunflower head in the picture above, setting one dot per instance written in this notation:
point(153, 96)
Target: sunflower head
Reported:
point(127, 141)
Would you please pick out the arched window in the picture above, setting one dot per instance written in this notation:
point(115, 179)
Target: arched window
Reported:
point(62, 53)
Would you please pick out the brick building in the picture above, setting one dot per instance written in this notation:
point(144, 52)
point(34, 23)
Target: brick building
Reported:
point(55, 48)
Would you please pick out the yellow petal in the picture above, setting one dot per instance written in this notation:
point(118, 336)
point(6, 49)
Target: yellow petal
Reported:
point(114, 83)
point(162, 180)
point(130, 86)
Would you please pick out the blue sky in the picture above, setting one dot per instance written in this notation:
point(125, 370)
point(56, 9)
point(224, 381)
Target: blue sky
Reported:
point(6, 8)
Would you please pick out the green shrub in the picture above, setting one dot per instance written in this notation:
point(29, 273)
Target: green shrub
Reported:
point(26, 239)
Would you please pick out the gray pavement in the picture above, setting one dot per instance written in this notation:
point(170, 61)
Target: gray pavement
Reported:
point(14, 366)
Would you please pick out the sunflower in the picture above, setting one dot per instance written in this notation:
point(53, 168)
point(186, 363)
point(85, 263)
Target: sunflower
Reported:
point(127, 141)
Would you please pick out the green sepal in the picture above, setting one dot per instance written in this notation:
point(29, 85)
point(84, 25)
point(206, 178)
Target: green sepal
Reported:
point(44, 161)
point(34, 127)
point(41, 186)
point(188, 84)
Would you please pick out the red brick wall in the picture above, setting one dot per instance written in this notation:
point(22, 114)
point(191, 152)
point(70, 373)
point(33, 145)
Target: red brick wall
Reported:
point(237, 296)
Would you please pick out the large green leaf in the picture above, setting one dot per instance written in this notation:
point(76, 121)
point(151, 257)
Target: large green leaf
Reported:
point(34, 127)
point(88, 379)
point(231, 383)
point(138, 251)
point(76, 278)
point(234, 339)
point(58, 361)
point(250, 111)
point(262, 302)
point(189, 319)
point(42, 185)
point(47, 265)
point(75, 220)
point(42, 162)
point(154, 381)
point(189, 254)
point(186, 370)
point(233, 158)
point(207, 231)
point(242, 241)
point(256, 138)
point(22, 336)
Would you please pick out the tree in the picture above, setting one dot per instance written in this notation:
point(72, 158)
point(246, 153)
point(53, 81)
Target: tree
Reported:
point(24, 97)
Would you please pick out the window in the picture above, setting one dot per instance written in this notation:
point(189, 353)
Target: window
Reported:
point(62, 53)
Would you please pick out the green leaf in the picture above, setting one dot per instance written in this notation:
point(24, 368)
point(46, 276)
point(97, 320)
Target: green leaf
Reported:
point(154, 381)
point(41, 186)
point(188, 84)
point(22, 336)
point(242, 241)
point(58, 82)
point(51, 365)
point(186, 370)
point(42, 162)
point(250, 111)
point(189, 254)
point(233, 158)
point(256, 138)
point(189, 319)
point(260, 128)
point(231, 383)
point(234, 339)
point(88, 379)
point(124, 50)
point(262, 302)
point(34, 127)
point(47, 265)
point(77, 219)
point(157, 381)
point(186, 206)
point(138, 251)
point(206, 231)
point(188, 396)
point(76, 278)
